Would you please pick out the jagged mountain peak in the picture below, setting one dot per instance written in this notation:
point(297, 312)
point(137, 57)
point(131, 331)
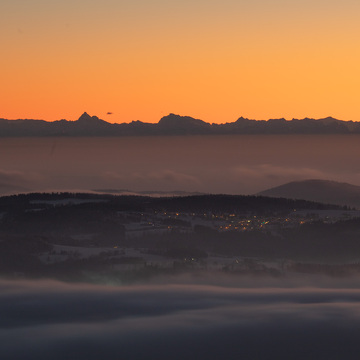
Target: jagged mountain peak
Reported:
point(174, 119)
point(85, 118)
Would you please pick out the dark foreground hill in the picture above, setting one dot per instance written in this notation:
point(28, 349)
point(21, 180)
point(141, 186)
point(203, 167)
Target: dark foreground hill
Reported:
point(329, 192)
point(220, 203)
point(83, 236)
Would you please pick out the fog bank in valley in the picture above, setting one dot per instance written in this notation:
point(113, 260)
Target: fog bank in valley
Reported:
point(253, 319)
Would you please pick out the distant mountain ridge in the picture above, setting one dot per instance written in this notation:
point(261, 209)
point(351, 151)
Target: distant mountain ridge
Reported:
point(324, 191)
point(173, 124)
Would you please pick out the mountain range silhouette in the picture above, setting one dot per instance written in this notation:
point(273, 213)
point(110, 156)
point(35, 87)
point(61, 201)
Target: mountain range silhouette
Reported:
point(173, 124)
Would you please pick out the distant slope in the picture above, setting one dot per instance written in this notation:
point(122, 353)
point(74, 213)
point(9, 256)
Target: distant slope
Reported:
point(151, 193)
point(173, 124)
point(330, 192)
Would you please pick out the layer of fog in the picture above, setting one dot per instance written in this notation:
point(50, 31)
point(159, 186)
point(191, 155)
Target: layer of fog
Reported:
point(253, 320)
point(216, 164)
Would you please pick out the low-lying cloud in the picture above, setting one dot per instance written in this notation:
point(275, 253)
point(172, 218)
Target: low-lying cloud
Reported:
point(47, 319)
point(13, 181)
point(160, 179)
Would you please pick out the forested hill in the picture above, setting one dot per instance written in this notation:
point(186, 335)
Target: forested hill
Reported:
point(195, 203)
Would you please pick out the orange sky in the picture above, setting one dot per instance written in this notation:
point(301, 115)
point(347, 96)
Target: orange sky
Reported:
point(214, 60)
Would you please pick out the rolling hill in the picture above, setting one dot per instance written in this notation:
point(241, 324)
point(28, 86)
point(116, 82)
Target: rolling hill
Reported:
point(325, 191)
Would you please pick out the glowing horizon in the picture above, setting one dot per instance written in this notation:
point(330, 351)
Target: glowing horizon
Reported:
point(212, 60)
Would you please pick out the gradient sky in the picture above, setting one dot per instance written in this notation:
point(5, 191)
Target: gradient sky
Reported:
point(214, 60)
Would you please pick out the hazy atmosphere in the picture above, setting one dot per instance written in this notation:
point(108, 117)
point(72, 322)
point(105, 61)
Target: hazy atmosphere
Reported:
point(212, 164)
